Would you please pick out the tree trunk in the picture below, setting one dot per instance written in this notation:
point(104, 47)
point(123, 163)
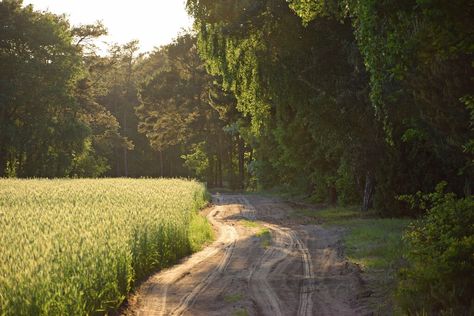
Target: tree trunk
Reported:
point(125, 149)
point(467, 187)
point(211, 177)
point(125, 162)
point(215, 171)
point(171, 167)
point(219, 159)
point(161, 164)
point(117, 162)
point(3, 161)
point(241, 163)
point(2, 165)
point(367, 201)
point(249, 171)
point(332, 195)
point(219, 171)
point(230, 158)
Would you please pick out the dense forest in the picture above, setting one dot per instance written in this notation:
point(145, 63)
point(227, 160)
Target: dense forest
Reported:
point(366, 103)
point(70, 111)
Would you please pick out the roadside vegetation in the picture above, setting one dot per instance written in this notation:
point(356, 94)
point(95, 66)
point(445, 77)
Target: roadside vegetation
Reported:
point(438, 279)
point(366, 103)
point(262, 232)
point(418, 265)
point(375, 244)
point(77, 247)
point(370, 241)
point(233, 298)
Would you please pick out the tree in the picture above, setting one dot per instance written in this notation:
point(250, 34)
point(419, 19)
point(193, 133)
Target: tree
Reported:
point(305, 89)
point(39, 128)
point(184, 111)
point(419, 61)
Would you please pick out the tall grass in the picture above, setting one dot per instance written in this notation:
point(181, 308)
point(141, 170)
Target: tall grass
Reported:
point(76, 247)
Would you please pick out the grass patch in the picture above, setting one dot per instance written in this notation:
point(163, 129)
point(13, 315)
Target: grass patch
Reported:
point(240, 312)
point(265, 237)
point(331, 216)
point(375, 243)
point(200, 232)
point(370, 241)
point(263, 232)
point(233, 298)
point(249, 224)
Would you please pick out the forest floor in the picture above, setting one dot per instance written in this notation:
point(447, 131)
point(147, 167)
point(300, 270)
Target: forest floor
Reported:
point(270, 257)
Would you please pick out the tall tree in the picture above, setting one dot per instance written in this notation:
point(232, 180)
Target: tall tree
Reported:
point(419, 57)
point(305, 89)
point(39, 128)
point(183, 113)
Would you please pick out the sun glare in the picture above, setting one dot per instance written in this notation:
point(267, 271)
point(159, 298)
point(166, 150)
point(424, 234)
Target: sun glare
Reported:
point(153, 23)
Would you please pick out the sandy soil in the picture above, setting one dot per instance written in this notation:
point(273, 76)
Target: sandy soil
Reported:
point(300, 271)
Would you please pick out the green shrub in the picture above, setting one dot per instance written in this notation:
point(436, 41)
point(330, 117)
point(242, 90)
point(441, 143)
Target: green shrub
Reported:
point(348, 192)
point(440, 273)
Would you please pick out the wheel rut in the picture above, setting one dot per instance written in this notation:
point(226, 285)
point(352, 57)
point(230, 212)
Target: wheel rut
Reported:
point(155, 294)
point(301, 271)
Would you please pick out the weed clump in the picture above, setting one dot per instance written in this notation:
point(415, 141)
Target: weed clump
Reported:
point(439, 277)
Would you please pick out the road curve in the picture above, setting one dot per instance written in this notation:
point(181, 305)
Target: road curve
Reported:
point(301, 271)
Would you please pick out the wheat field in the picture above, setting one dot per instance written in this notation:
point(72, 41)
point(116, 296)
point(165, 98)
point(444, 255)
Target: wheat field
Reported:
point(77, 247)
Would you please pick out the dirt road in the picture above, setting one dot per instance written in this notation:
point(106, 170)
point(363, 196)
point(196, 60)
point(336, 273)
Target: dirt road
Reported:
point(262, 263)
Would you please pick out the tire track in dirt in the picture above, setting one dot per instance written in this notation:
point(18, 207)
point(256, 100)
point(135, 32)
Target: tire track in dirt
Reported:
point(307, 288)
point(284, 241)
point(189, 300)
point(302, 272)
point(305, 306)
point(262, 292)
point(155, 295)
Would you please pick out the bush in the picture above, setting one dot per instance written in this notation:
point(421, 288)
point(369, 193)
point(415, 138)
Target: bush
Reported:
point(439, 277)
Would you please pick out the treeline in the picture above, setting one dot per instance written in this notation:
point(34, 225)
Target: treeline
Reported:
point(69, 111)
point(362, 102)
point(190, 121)
point(61, 103)
point(352, 102)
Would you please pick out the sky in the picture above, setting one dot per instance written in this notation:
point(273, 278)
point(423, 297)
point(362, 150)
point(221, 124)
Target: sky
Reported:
point(152, 22)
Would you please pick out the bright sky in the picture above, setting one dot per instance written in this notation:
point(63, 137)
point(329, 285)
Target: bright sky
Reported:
point(152, 22)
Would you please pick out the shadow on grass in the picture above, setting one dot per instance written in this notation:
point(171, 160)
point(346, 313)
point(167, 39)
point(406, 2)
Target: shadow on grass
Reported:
point(370, 241)
point(375, 244)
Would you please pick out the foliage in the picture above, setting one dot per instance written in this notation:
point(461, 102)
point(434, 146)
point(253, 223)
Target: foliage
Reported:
point(304, 88)
point(76, 247)
point(200, 232)
point(197, 161)
point(87, 164)
point(185, 114)
point(418, 55)
point(374, 244)
point(52, 117)
point(67, 111)
point(438, 279)
point(39, 128)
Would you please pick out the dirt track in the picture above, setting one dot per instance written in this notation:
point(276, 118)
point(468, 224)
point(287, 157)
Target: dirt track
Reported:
point(300, 271)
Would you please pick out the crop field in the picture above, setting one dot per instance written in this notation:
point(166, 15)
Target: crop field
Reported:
point(75, 247)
